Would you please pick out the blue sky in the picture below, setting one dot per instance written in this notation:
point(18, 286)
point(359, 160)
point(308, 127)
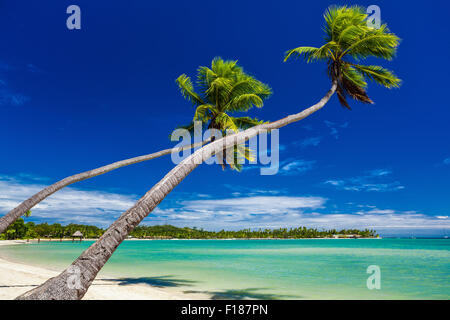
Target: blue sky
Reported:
point(72, 100)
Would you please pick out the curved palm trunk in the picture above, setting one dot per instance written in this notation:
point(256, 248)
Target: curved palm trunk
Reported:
point(23, 208)
point(89, 263)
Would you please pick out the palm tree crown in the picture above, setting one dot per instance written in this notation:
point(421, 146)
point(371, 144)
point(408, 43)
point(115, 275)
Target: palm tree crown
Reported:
point(348, 40)
point(224, 89)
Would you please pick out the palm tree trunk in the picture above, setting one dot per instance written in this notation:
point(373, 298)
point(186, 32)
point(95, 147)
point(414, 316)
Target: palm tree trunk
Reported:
point(23, 208)
point(89, 263)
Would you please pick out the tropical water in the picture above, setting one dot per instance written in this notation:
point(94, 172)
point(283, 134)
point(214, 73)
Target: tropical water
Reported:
point(268, 269)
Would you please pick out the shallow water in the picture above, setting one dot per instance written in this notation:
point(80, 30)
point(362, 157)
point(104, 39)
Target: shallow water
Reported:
point(268, 269)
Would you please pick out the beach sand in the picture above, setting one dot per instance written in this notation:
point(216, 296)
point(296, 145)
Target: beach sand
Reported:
point(17, 278)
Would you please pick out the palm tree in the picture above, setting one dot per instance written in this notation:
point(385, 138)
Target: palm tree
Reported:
point(94, 258)
point(90, 262)
point(347, 38)
point(25, 206)
point(224, 89)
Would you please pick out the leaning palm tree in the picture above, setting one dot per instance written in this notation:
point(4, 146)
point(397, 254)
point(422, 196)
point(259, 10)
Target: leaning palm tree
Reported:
point(94, 258)
point(348, 40)
point(224, 89)
point(25, 206)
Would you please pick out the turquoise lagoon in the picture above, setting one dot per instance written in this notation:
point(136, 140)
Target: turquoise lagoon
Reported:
point(268, 269)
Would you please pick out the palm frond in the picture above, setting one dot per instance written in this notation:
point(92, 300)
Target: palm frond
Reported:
point(187, 89)
point(204, 78)
point(354, 76)
point(218, 91)
point(338, 18)
point(378, 43)
point(204, 112)
point(244, 102)
point(240, 154)
point(224, 68)
point(342, 96)
point(246, 122)
point(246, 84)
point(305, 52)
point(226, 122)
point(356, 92)
point(350, 35)
point(379, 74)
point(226, 88)
point(347, 36)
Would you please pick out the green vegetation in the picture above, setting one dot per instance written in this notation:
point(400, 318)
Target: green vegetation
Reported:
point(349, 40)
point(30, 230)
point(224, 89)
point(21, 230)
point(168, 231)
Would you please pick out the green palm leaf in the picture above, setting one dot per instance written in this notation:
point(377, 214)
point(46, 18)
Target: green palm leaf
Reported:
point(224, 88)
point(379, 74)
point(337, 19)
point(348, 37)
point(354, 76)
point(226, 122)
point(187, 89)
point(377, 44)
point(246, 122)
point(244, 102)
point(204, 112)
point(306, 52)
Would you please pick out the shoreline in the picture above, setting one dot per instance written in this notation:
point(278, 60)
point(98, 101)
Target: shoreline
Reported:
point(22, 241)
point(17, 278)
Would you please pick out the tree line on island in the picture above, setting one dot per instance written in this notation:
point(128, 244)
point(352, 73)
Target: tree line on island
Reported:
point(30, 230)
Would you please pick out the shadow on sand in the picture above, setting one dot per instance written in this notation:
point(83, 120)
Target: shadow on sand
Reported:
point(169, 281)
point(161, 281)
point(241, 294)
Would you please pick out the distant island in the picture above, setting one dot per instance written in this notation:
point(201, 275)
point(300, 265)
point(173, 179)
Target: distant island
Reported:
point(30, 230)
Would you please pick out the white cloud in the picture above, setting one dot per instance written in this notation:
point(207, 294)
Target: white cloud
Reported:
point(380, 172)
point(390, 219)
point(334, 182)
point(257, 204)
point(378, 211)
point(238, 212)
point(67, 205)
point(288, 167)
point(238, 191)
point(295, 167)
point(375, 180)
point(286, 211)
point(263, 209)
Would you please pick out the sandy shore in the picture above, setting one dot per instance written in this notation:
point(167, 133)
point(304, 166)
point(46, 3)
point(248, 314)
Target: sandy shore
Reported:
point(17, 278)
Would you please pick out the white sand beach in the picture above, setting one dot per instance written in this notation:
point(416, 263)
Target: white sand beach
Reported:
point(17, 278)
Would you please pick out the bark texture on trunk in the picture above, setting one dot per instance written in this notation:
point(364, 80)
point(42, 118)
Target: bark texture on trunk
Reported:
point(85, 268)
point(21, 209)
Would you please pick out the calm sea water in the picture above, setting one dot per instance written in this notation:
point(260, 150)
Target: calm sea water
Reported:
point(269, 269)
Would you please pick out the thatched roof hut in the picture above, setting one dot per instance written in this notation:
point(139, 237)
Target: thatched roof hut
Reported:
point(77, 234)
